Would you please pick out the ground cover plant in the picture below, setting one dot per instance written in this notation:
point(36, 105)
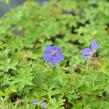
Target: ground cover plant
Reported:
point(55, 56)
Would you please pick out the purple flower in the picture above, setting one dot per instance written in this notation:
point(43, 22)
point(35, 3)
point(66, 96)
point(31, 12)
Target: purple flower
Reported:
point(42, 103)
point(53, 54)
point(35, 101)
point(90, 52)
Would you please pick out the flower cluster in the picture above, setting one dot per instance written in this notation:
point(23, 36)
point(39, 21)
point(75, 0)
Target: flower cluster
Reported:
point(41, 103)
point(54, 54)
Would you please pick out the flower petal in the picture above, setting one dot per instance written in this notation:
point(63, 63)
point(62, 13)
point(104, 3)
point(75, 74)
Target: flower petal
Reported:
point(54, 62)
point(94, 45)
point(49, 48)
point(60, 56)
point(87, 57)
point(47, 56)
point(87, 51)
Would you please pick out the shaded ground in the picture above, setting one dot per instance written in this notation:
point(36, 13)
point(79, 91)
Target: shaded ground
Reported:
point(6, 7)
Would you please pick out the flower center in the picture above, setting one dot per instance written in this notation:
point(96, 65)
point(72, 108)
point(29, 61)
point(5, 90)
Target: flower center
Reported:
point(54, 53)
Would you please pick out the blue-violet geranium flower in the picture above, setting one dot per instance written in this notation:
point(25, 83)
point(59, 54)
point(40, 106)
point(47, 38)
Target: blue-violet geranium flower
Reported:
point(42, 103)
point(53, 54)
point(90, 52)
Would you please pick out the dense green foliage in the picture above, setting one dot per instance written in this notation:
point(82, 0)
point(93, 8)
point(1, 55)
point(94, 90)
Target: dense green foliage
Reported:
point(74, 83)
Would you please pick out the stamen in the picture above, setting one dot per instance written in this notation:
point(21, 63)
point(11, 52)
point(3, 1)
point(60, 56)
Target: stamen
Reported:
point(54, 53)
